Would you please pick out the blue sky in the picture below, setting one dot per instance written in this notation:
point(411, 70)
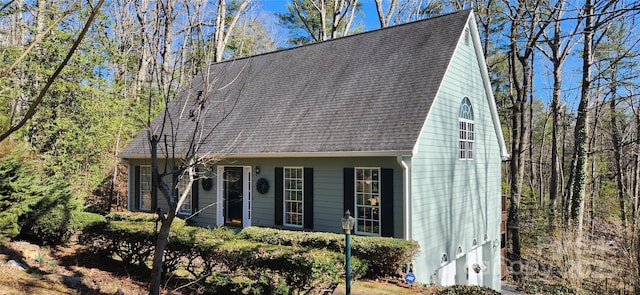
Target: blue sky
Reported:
point(266, 9)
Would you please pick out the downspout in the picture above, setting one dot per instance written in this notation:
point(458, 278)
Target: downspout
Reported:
point(406, 201)
point(130, 186)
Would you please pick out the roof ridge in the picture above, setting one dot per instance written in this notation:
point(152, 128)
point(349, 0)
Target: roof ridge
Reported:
point(346, 37)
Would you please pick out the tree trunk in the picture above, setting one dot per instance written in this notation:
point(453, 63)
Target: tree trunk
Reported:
point(532, 163)
point(555, 161)
point(166, 72)
point(143, 48)
point(158, 254)
point(519, 78)
point(581, 133)
point(222, 38)
point(636, 172)
point(558, 58)
point(617, 149)
point(383, 17)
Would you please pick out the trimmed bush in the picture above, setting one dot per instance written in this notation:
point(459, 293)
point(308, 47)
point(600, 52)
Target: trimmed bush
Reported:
point(82, 220)
point(301, 268)
point(265, 267)
point(318, 240)
point(384, 256)
point(248, 281)
point(50, 228)
point(131, 242)
point(132, 216)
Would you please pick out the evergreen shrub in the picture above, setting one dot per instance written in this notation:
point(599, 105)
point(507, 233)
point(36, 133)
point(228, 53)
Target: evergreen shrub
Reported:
point(131, 242)
point(384, 257)
point(19, 191)
point(34, 205)
point(243, 281)
point(239, 264)
point(132, 216)
point(82, 220)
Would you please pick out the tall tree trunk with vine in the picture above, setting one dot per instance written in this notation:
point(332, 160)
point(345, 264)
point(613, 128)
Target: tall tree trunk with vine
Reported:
point(581, 132)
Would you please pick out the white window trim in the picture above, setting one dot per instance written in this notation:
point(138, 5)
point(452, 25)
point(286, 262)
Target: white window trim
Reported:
point(189, 201)
point(284, 198)
point(469, 133)
point(150, 178)
point(466, 136)
point(355, 201)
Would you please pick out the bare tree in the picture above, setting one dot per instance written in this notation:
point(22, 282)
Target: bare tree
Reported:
point(581, 133)
point(178, 135)
point(384, 17)
point(159, 66)
point(224, 29)
point(527, 23)
point(559, 48)
point(597, 17)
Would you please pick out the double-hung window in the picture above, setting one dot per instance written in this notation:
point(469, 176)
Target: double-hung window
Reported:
point(466, 130)
point(293, 196)
point(368, 199)
point(145, 187)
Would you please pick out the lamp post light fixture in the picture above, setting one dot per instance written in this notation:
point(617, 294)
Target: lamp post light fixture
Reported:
point(347, 224)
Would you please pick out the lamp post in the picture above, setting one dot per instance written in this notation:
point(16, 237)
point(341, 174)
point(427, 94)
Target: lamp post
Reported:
point(347, 224)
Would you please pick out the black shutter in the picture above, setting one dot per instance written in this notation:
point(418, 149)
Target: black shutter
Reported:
point(154, 189)
point(175, 186)
point(349, 191)
point(278, 189)
point(135, 206)
point(194, 196)
point(386, 188)
point(308, 198)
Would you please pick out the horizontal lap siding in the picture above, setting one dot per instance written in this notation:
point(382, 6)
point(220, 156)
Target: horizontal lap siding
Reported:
point(328, 186)
point(328, 190)
point(161, 202)
point(207, 204)
point(205, 198)
point(455, 201)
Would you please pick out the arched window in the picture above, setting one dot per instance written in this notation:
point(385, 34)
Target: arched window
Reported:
point(467, 131)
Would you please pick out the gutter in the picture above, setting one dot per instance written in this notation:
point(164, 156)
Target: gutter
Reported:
point(336, 154)
point(406, 201)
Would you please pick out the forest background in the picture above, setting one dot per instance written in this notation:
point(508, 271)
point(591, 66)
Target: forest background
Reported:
point(79, 79)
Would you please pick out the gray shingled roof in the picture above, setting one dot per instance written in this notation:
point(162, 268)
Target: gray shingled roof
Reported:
point(365, 93)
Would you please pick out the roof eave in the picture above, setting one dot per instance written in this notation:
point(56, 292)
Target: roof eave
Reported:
point(340, 154)
point(504, 154)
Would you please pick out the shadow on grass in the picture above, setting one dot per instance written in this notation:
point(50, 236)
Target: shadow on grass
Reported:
point(117, 271)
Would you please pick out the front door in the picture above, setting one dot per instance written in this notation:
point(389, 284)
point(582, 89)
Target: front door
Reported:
point(234, 196)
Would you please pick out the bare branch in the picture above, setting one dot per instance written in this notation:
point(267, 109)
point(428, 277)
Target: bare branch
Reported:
point(33, 108)
point(38, 39)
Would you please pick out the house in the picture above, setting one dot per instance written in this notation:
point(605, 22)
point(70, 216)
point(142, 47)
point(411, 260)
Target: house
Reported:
point(398, 126)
